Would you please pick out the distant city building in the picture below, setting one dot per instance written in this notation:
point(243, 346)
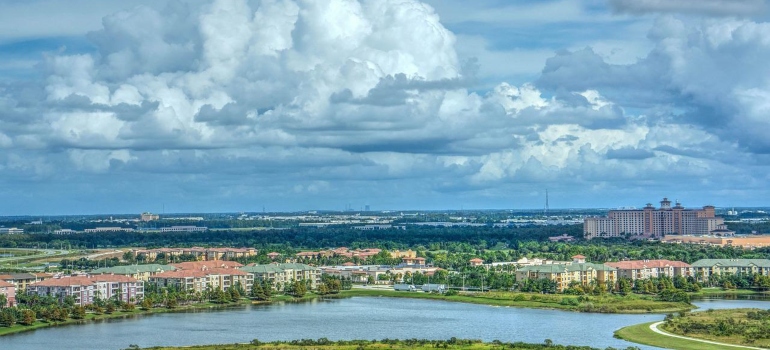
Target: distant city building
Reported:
point(11, 230)
point(654, 223)
point(562, 238)
point(341, 251)
point(108, 229)
point(184, 229)
point(147, 216)
point(743, 241)
point(64, 231)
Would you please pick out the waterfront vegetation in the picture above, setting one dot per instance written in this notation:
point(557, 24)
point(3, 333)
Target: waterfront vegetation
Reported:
point(642, 334)
point(582, 303)
point(732, 326)
point(391, 344)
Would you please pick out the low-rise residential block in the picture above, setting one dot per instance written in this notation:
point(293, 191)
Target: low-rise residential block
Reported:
point(9, 291)
point(706, 267)
point(139, 272)
point(83, 289)
point(644, 269)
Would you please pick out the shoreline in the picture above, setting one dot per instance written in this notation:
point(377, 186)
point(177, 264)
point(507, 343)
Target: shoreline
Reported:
point(607, 304)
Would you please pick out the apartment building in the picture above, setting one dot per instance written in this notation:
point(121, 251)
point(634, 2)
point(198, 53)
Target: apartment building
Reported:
point(198, 252)
point(199, 279)
point(564, 274)
point(85, 288)
point(9, 291)
point(654, 222)
point(139, 272)
point(201, 265)
point(282, 273)
point(706, 267)
point(644, 269)
point(23, 279)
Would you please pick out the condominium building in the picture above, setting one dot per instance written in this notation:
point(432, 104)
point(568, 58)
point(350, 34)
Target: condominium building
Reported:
point(654, 222)
point(199, 280)
point(564, 274)
point(23, 279)
point(197, 252)
point(139, 272)
point(84, 289)
point(644, 269)
point(706, 267)
point(282, 273)
point(9, 291)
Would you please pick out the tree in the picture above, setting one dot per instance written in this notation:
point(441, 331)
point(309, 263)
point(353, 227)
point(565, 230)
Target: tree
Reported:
point(298, 289)
point(7, 317)
point(146, 304)
point(3, 301)
point(27, 317)
point(78, 312)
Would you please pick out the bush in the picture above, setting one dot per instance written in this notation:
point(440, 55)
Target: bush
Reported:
point(451, 292)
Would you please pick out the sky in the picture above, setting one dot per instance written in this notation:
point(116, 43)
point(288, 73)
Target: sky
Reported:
point(293, 105)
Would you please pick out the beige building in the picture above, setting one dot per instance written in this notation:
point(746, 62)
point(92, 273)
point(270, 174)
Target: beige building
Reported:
point(199, 280)
point(653, 222)
point(644, 269)
point(564, 274)
point(280, 274)
point(139, 272)
point(748, 242)
point(706, 267)
point(83, 289)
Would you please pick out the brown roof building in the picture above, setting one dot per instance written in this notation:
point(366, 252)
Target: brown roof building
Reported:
point(644, 269)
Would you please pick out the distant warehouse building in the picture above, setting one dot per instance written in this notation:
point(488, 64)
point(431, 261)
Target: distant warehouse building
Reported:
point(184, 229)
point(654, 223)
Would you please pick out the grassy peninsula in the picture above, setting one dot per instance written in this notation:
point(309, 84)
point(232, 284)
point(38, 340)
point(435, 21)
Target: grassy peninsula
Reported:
point(629, 304)
point(740, 327)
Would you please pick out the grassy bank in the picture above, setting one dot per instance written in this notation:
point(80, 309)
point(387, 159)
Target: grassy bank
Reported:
point(642, 334)
point(91, 317)
point(323, 344)
point(750, 327)
point(721, 292)
point(602, 304)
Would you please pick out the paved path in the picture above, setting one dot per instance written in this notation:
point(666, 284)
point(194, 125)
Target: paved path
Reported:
point(654, 328)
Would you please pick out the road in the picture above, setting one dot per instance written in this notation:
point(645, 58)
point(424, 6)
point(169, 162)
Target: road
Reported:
point(654, 328)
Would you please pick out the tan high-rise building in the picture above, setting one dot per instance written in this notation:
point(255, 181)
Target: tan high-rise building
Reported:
point(653, 222)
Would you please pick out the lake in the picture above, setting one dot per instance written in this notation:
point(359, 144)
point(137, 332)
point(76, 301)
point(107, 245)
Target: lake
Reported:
point(350, 318)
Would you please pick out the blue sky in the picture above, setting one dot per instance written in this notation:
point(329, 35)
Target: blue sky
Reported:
point(207, 106)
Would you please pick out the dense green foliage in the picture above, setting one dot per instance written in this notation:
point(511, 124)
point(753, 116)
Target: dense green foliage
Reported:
point(747, 325)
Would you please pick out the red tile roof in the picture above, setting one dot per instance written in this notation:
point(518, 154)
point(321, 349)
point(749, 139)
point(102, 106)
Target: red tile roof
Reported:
point(180, 274)
point(4, 284)
point(578, 256)
point(198, 265)
point(65, 282)
point(641, 264)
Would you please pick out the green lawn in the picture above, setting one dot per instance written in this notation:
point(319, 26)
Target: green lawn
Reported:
point(642, 334)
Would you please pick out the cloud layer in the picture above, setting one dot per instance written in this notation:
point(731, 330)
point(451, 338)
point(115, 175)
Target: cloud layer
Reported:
point(232, 105)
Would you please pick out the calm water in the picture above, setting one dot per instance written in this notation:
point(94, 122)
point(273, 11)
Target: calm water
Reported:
point(353, 318)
